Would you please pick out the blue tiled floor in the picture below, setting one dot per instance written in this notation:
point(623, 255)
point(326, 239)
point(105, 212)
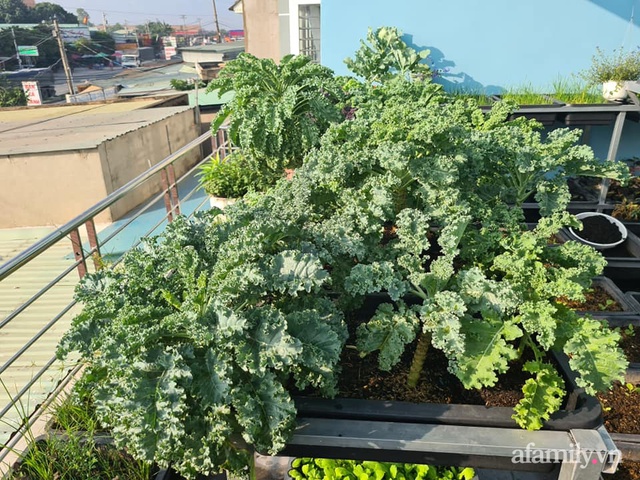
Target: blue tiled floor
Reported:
point(125, 239)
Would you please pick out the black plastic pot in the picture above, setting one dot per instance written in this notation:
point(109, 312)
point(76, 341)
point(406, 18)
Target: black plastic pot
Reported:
point(623, 261)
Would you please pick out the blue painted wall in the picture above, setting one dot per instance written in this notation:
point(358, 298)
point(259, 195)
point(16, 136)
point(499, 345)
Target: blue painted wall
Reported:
point(489, 44)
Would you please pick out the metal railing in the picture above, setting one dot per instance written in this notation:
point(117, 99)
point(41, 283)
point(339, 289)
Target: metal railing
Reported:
point(20, 348)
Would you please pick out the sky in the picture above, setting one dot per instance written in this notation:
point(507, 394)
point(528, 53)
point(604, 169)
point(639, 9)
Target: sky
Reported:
point(169, 11)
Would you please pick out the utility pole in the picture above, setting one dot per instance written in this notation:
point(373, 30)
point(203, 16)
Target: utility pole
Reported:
point(184, 29)
point(215, 17)
point(104, 21)
point(15, 44)
point(63, 56)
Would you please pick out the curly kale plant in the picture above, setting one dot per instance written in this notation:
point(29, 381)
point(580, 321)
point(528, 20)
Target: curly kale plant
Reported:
point(386, 55)
point(279, 111)
point(197, 336)
point(193, 343)
point(420, 197)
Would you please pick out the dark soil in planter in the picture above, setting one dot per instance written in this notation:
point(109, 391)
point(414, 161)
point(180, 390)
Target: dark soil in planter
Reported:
point(599, 230)
point(621, 412)
point(631, 191)
point(361, 378)
point(596, 299)
point(621, 409)
point(626, 471)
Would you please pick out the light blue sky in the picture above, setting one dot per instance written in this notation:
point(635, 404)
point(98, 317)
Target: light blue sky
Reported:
point(168, 11)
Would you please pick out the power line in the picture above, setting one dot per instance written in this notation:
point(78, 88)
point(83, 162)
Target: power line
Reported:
point(148, 14)
point(196, 15)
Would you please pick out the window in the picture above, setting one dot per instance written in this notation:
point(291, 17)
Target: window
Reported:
point(309, 31)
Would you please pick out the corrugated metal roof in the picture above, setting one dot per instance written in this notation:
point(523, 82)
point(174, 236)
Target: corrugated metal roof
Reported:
point(76, 132)
point(50, 112)
point(15, 290)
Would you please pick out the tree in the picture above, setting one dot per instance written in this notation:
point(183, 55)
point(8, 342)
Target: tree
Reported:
point(114, 27)
point(83, 16)
point(48, 52)
point(45, 11)
point(156, 28)
point(11, 96)
point(13, 11)
point(103, 42)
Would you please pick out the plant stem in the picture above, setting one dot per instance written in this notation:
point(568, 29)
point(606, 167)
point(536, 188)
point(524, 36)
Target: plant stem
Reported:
point(523, 344)
point(424, 341)
point(252, 467)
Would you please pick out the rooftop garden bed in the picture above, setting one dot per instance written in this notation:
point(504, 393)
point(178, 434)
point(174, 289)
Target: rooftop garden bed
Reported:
point(198, 340)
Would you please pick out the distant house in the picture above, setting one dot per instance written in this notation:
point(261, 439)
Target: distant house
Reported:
point(275, 28)
point(214, 53)
point(236, 7)
point(125, 39)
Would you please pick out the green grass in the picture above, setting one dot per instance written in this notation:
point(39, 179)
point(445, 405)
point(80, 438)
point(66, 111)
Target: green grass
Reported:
point(576, 92)
point(77, 449)
point(76, 412)
point(526, 95)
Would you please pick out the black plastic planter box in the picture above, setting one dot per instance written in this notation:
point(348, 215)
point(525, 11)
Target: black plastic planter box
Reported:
point(544, 118)
point(627, 305)
point(171, 474)
point(590, 118)
point(633, 227)
point(532, 209)
point(623, 262)
point(634, 298)
point(629, 445)
point(581, 410)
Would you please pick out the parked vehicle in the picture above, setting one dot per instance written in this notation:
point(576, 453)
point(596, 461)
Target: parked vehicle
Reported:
point(136, 59)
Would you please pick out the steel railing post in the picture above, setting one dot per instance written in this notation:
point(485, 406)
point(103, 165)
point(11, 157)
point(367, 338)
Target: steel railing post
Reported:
point(78, 253)
point(93, 242)
point(173, 189)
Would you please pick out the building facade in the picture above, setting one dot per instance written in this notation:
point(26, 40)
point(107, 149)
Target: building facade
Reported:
point(275, 28)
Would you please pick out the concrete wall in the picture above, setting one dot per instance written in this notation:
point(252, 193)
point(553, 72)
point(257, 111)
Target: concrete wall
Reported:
point(49, 189)
point(491, 45)
point(53, 188)
point(261, 28)
point(127, 156)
